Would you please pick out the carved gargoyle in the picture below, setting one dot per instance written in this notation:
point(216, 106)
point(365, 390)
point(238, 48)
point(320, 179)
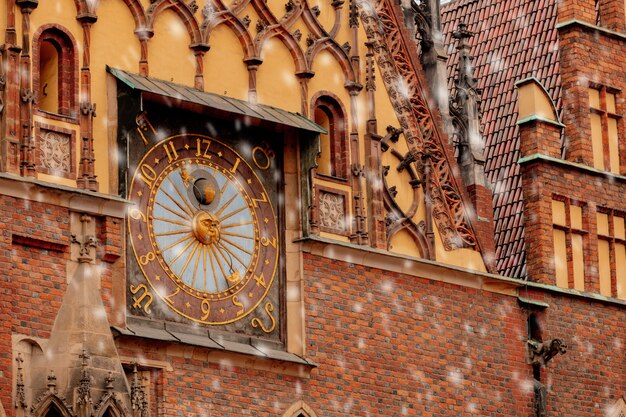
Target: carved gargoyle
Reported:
point(540, 353)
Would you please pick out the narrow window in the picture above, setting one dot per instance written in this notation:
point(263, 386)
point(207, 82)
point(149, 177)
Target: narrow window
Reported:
point(568, 235)
point(48, 77)
point(604, 132)
point(333, 160)
point(612, 253)
point(55, 74)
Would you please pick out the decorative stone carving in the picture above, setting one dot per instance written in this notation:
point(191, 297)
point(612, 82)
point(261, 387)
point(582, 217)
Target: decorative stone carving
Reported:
point(55, 152)
point(193, 6)
point(84, 403)
point(540, 353)
point(397, 218)
point(416, 121)
point(86, 243)
point(20, 395)
point(138, 401)
point(332, 211)
point(423, 25)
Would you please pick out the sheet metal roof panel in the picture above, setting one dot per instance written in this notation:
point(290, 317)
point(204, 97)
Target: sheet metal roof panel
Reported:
point(215, 101)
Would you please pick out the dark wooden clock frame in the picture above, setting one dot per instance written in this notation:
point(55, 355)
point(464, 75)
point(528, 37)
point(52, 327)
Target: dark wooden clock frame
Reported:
point(143, 123)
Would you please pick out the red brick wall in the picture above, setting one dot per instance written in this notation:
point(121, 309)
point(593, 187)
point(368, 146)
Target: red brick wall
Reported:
point(543, 180)
point(386, 344)
point(592, 374)
point(33, 255)
point(590, 57)
point(392, 345)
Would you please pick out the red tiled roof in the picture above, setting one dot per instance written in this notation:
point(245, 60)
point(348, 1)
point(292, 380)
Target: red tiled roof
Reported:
point(513, 40)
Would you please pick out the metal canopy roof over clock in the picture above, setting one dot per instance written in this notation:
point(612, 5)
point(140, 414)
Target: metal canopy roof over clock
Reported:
point(231, 105)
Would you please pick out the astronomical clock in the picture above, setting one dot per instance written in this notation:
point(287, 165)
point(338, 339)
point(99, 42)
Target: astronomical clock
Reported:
point(204, 227)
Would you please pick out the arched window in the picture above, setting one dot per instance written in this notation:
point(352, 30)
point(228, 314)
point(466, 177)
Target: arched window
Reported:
point(333, 160)
point(55, 71)
point(53, 412)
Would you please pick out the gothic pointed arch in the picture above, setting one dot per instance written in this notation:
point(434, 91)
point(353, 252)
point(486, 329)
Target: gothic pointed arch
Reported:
point(183, 12)
point(138, 13)
point(50, 405)
point(287, 39)
point(110, 406)
point(299, 409)
point(231, 21)
point(330, 45)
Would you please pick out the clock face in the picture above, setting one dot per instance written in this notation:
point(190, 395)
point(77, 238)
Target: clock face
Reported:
point(203, 230)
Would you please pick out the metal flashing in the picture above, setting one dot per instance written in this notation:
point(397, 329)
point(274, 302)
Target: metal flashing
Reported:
point(238, 107)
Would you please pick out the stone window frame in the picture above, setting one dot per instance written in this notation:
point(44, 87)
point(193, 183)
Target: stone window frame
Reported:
point(72, 134)
point(67, 49)
point(571, 231)
point(605, 116)
point(332, 106)
point(613, 242)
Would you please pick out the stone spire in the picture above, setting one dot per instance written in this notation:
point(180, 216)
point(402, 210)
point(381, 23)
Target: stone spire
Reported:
point(423, 18)
point(81, 351)
point(465, 117)
point(465, 114)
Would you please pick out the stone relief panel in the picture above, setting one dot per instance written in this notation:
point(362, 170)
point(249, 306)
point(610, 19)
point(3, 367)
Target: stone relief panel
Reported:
point(332, 211)
point(55, 151)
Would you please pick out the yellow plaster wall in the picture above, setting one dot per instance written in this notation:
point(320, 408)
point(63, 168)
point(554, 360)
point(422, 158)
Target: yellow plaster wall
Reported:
point(327, 13)
point(329, 77)
point(127, 55)
point(62, 12)
point(224, 70)
point(168, 51)
point(403, 243)
point(533, 101)
point(278, 69)
point(465, 258)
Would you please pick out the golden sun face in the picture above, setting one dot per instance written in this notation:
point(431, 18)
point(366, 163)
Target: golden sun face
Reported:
point(206, 228)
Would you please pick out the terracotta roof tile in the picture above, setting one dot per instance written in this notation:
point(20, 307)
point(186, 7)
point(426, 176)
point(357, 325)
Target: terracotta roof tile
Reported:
point(514, 39)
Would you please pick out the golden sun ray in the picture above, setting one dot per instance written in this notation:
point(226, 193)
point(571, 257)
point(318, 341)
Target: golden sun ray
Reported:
point(189, 206)
point(181, 240)
point(188, 212)
point(232, 254)
point(172, 211)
